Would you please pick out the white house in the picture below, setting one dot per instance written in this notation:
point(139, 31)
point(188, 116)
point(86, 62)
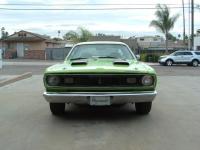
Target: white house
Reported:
point(197, 41)
point(150, 41)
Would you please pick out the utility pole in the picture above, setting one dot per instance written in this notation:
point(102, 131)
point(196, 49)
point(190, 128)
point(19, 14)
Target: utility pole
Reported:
point(192, 24)
point(183, 4)
point(189, 22)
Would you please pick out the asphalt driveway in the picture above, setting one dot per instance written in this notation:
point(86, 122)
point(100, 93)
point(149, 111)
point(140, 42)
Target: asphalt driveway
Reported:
point(27, 124)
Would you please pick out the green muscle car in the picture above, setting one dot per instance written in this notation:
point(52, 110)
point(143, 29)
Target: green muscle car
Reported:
point(100, 74)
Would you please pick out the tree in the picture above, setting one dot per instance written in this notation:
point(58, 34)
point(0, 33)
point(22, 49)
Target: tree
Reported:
point(164, 22)
point(80, 35)
point(171, 37)
point(100, 34)
point(4, 33)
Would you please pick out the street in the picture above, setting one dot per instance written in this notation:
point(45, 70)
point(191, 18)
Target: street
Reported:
point(102, 93)
point(176, 70)
point(26, 121)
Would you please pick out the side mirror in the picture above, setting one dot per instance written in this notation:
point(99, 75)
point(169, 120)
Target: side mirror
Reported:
point(138, 57)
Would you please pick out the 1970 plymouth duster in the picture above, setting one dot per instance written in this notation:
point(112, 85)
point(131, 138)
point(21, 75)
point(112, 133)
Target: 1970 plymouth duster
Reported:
point(99, 74)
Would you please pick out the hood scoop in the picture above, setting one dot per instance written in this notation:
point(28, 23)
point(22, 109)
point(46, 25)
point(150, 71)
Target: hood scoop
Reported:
point(79, 62)
point(121, 62)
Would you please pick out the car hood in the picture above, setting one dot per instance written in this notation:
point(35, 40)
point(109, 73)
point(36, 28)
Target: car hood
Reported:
point(101, 66)
point(163, 56)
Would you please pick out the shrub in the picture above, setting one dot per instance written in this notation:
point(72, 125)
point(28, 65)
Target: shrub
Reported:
point(145, 57)
point(151, 58)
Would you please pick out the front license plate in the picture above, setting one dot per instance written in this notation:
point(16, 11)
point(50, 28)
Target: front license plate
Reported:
point(99, 100)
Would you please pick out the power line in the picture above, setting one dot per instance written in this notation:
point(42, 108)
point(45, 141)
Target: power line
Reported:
point(76, 4)
point(121, 8)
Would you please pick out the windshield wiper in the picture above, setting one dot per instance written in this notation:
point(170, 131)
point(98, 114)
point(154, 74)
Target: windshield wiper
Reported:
point(107, 57)
point(78, 58)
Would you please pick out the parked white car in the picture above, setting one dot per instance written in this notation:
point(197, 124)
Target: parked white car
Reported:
point(191, 58)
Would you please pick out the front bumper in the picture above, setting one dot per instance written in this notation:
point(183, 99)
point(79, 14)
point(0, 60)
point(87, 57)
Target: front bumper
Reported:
point(115, 97)
point(161, 62)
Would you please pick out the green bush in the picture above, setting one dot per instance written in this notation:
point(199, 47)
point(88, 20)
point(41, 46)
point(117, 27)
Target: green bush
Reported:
point(149, 57)
point(143, 57)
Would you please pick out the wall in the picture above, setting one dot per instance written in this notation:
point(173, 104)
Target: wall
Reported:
point(197, 43)
point(57, 53)
point(34, 54)
point(105, 38)
point(146, 42)
point(38, 45)
point(132, 43)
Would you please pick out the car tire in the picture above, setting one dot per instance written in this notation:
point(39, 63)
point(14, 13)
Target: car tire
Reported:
point(57, 108)
point(169, 62)
point(195, 63)
point(143, 108)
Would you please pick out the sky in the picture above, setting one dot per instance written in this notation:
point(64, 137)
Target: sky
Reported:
point(125, 23)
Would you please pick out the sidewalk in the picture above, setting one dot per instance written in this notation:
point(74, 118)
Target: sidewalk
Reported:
point(6, 77)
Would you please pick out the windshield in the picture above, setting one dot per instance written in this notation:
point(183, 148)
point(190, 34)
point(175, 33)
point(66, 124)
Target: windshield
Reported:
point(116, 51)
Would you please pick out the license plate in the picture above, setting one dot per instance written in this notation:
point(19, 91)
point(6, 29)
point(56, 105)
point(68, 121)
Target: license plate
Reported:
point(99, 100)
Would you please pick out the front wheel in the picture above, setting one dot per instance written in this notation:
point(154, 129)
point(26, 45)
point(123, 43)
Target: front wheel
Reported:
point(195, 63)
point(169, 62)
point(57, 108)
point(143, 107)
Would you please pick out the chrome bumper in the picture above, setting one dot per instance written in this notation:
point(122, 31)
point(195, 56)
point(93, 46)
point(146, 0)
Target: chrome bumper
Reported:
point(115, 97)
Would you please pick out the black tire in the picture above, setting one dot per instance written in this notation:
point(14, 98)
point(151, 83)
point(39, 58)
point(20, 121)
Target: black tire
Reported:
point(57, 108)
point(169, 62)
point(143, 108)
point(195, 63)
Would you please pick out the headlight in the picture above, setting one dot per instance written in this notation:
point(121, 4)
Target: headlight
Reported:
point(131, 80)
point(147, 80)
point(53, 80)
point(69, 80)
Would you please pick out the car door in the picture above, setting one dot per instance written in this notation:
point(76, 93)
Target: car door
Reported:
point(178, 57)
point(197, 55)
point(187, 57)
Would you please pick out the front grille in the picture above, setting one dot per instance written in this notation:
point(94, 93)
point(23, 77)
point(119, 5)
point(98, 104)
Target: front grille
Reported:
point(100, 80)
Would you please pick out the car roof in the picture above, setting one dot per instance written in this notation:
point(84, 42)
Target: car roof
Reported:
point(184, 51)
point(101, 42)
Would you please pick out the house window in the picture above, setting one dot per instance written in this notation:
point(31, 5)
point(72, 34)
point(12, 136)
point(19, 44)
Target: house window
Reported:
point(10, 45)
point(141, 39)
point(22, 34)
point(26, 47)
point(198, 47)
point(155, 39)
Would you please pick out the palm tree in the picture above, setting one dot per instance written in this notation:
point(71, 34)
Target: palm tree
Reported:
point(164, 22)
point(80, 35)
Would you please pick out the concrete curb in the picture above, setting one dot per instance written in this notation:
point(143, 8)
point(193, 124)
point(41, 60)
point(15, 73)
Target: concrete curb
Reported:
point(15, 79)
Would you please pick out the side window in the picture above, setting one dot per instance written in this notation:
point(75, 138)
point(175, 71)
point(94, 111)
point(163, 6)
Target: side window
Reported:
point(187, 53)
point(197, 53)
point(179, 54)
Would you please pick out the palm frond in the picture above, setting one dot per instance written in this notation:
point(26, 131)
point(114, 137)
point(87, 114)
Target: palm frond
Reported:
point(81, 35)
point(164, 22)
point(158, 25)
